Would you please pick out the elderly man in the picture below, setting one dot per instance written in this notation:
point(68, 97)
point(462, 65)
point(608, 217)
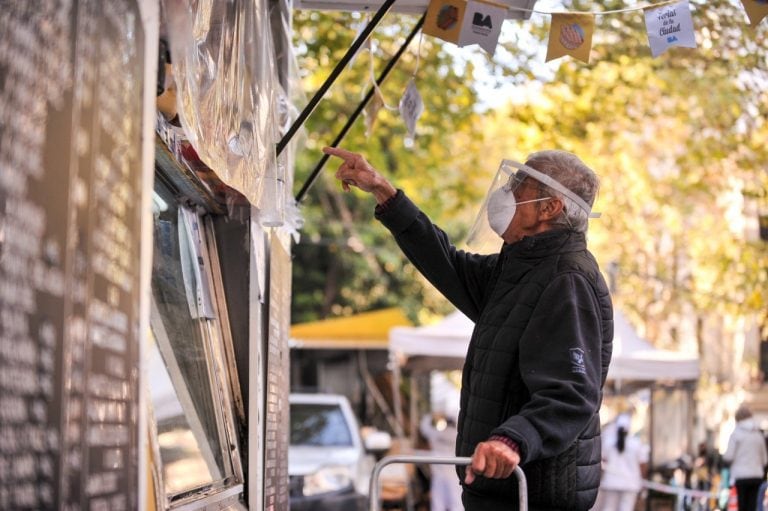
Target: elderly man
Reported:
point(538, 357)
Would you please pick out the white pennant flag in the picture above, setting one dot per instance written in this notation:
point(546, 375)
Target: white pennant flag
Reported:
point(670, 25)
point(482, 25)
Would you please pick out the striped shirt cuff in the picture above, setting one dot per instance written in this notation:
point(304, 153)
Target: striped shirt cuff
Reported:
point(507, 441)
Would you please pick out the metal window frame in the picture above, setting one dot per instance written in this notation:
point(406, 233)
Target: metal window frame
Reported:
point(217, 345)
point(185, 399)
point(222, 352)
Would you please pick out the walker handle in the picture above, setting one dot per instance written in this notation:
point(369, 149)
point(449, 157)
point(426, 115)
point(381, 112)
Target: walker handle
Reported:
point(373, 493)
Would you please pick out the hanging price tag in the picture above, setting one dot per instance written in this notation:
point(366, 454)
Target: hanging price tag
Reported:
point(411, 107)
point(371, 112)
point(367, 45)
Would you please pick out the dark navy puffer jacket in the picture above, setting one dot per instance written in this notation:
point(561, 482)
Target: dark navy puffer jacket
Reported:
point(538, 357)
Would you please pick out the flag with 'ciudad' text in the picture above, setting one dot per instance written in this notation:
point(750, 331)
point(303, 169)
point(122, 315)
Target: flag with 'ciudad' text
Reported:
point(669, 25)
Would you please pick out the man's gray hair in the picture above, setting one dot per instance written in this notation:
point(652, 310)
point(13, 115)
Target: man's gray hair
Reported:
point(568, 170)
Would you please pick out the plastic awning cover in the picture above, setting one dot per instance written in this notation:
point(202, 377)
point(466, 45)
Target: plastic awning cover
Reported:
point(230, 102)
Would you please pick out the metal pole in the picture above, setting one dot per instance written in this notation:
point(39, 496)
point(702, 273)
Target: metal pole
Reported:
point(396, 401)
point(373, 493)
point(313, 176)
point(333, 76)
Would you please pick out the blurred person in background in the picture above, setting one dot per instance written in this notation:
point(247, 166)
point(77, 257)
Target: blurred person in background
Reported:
point(625, 465)
point(706, 471)
point(747, 456)
point(444, 487)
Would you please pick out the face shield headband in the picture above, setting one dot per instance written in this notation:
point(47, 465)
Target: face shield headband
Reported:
point(500, 204)
point(550, 182)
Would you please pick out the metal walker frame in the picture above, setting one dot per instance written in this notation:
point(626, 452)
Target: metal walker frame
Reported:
point(373, 493)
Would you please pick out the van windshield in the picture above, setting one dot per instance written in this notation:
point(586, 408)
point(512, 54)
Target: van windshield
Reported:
point(319, 425)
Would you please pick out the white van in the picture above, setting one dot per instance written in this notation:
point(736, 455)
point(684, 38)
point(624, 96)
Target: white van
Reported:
point(328, 464)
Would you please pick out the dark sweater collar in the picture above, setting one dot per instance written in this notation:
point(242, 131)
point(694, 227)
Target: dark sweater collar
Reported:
point(545, 243)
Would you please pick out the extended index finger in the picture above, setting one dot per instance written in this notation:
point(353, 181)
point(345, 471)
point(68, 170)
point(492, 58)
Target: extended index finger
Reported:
point(341, 153)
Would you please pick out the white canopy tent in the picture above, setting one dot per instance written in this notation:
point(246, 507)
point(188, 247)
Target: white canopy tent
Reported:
point(635, 359)
point(444, 345)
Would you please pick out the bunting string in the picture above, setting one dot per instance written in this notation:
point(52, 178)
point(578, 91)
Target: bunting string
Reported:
point(465, 22)
point(594, 13)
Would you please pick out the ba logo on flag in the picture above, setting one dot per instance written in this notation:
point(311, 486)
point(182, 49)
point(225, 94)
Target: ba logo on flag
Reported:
point(482, 24)
point(480, 20)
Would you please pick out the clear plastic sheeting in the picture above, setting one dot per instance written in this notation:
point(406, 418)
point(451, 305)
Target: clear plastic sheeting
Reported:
point(228, 96)
point(292, 100)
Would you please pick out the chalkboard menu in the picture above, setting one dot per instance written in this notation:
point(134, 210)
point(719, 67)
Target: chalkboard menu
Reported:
point(71, 82)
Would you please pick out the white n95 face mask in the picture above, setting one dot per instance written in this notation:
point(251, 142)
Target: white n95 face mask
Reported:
point(501, 210)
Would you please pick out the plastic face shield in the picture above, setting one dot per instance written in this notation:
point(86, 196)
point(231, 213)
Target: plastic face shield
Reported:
point(508, 178)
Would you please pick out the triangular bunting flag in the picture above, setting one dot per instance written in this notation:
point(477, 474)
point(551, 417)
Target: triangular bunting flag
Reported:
point(670, 25)
point(482, 25)
point(571, 34)
point(756, 10)
point(444, 19)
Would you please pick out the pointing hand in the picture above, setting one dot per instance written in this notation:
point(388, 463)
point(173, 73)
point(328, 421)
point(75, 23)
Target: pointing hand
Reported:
point(356, 171)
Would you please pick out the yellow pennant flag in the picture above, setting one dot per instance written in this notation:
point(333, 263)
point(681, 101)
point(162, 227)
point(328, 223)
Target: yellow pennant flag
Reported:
point(571, 34)
point(756, 10)
point(444, 19)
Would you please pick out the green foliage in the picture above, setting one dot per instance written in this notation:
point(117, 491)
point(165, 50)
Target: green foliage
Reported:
point(346, 262)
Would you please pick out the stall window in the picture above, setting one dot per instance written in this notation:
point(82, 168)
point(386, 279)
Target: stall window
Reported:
point(188, 385)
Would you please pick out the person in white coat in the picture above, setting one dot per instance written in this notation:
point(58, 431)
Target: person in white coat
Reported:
point(625, 462)
point(748, 457)
point(444, 488)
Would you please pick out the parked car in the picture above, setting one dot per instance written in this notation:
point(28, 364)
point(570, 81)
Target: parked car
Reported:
point(328, 464)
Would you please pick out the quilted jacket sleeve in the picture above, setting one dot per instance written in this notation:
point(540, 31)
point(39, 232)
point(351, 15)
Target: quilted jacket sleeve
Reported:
point(460, 276)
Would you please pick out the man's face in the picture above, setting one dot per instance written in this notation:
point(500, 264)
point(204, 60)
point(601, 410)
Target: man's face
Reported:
point(526, 221)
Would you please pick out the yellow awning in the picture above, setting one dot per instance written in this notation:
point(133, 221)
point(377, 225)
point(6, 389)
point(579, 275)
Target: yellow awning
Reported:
point(367, 330)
